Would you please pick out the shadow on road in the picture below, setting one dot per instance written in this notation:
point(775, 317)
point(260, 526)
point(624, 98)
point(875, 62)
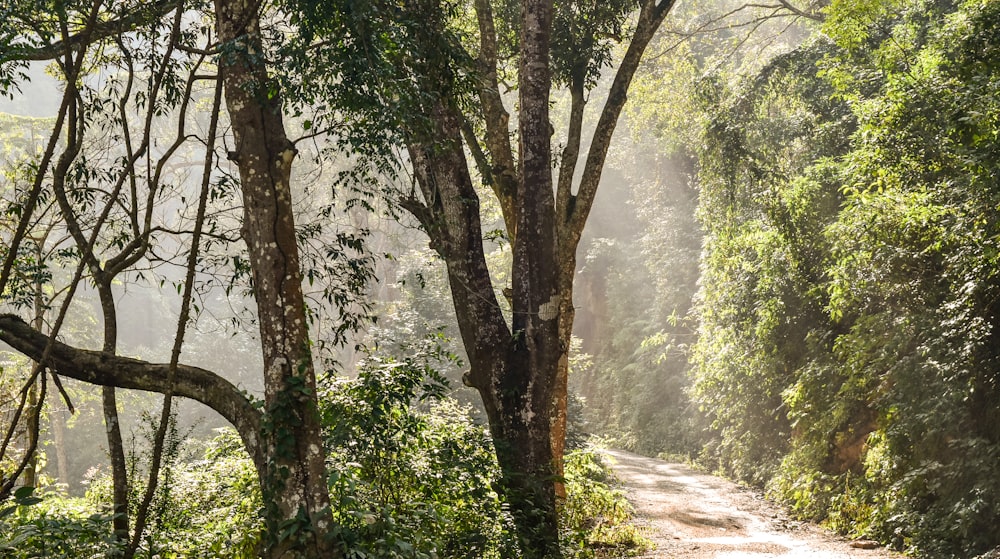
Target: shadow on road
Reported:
point(691, 515)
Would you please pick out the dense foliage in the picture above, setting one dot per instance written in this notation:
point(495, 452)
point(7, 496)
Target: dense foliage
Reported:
point(634, 297)
point(845, 353)
point(412, 476)
point(848, 319)
point(207, 506)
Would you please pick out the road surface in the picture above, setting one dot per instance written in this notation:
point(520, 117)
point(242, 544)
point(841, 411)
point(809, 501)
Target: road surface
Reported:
point(692, 515)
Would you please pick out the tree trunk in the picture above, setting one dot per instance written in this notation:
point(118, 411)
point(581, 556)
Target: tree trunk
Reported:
point(57, 419)
point(530, 387)
point(512, 371)
point(31, 469)
point(514, 367)
point(294, 482)
point(109, 406)
point(119, 469)
point(30, 474)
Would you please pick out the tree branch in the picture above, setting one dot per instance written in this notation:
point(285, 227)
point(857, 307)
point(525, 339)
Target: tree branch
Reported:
point(651, 15)
point(504, 172)
point(97, 367)
point(101, 30)
point(571, 153)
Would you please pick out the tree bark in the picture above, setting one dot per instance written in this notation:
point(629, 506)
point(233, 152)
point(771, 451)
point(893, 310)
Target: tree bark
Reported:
point(119, 468)
point(102, 369)
point(294, 482)
point(521, 370)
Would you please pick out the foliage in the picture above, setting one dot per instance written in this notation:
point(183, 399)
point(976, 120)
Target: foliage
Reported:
point(921, 197)
point(759, 307)
point(596, 517)
point(54, 526)
point(634, 303)
point(206, 506)
point(847, 190)
point(364, 71)
point(411, 474)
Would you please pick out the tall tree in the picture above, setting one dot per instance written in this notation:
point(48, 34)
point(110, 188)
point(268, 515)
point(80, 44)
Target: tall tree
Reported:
point(408, 69)
point(282, 434)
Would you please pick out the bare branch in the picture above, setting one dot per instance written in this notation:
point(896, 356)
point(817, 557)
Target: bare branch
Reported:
point(98, 367)
point(478, 155)
point(651, 15)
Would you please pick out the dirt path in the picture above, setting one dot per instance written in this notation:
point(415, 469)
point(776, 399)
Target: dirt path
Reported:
point(691, 515)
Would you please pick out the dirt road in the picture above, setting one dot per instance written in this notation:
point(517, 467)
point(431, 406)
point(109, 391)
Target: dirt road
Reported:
point(691, 515)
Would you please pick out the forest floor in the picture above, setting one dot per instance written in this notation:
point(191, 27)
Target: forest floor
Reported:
point(692, 515)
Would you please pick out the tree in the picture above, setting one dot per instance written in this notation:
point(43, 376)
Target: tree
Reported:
point(281, 434)
point(519, 365)
point(406, 70)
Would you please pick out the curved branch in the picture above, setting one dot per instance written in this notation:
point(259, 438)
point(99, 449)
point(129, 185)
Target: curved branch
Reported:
point(815, 16)
point(97, 367)
point(101, 30)
point(651, 15)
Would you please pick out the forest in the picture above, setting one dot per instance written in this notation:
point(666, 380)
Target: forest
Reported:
point(341, 279)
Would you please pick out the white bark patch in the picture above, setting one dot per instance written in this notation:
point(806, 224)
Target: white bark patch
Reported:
point(527, 415)
point(550, 310)
point(294, 502)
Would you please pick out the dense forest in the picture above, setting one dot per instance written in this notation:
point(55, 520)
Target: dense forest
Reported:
point(336, 279)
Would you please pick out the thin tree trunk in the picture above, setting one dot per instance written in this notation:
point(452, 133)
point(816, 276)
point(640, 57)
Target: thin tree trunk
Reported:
point(57, 418)
point(30, 474)
point(119, 468)
point(32, 426)
point(109, 407)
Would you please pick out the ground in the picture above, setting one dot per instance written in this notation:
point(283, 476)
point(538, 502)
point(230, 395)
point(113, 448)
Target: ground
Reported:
point(691, 515)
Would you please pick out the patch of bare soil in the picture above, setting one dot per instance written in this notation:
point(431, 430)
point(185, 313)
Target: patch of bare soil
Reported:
point(691, 515)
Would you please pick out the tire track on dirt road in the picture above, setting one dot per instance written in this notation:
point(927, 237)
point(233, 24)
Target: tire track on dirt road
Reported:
point(692, 515)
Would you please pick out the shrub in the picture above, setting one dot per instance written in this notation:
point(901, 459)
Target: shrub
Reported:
point(412, 474)
point(54, 527)
point(595, 519)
